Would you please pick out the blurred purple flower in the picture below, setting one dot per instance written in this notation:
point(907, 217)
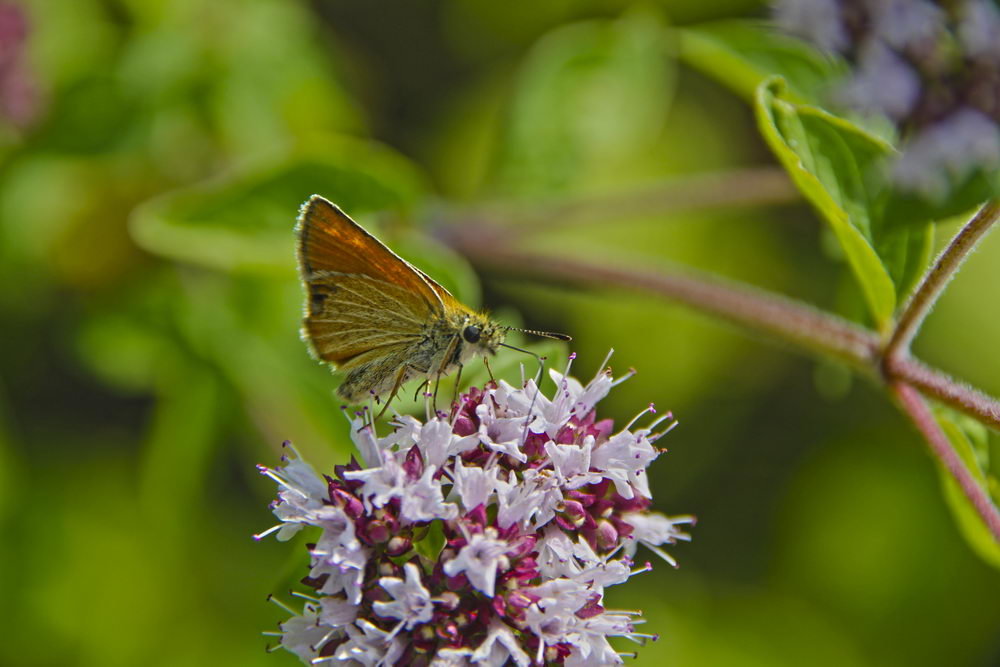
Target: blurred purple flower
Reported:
point(818, 21)
point(933, 68)
point(979, 30)
point(904, 24)
point(883, 83)
point(949, 152)
point(19, 99)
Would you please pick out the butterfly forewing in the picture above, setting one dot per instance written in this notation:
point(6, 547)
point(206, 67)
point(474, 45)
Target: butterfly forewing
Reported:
point(330, 241)
point(361, 295)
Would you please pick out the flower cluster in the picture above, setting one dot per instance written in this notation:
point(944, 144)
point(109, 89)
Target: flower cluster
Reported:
point(931, 67)
point(481, 537)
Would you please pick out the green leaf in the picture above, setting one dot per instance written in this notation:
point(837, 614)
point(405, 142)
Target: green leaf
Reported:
point(590, 98)
point(742, 54)
point(971, 441)
point(836, 165)
point(906, 252)
point(430, 545)
point(245, 222)
point(183, 437)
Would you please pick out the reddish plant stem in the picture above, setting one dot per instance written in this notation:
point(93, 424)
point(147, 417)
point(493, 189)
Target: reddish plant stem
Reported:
point(750, 307)
point(937, 277)
point(915, 407)
point(938, 385)
point(785, 318)
point(752, 186)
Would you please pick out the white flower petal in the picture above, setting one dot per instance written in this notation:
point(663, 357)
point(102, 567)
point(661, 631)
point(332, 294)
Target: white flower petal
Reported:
point(479, 560)
point(411, 602)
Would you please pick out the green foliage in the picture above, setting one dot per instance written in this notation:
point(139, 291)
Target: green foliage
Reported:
point(431, 543)
point(151, 309)
point(971, 441)
point(839, 163)
point(589, 98)
point(742, 54)
point(835, 165)
point(903, 209)
point(241, 223)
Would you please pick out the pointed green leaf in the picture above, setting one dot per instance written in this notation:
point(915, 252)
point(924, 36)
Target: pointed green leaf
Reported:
point(835, 165)
point(742, 54)
point(906, 252)
point(245, 222)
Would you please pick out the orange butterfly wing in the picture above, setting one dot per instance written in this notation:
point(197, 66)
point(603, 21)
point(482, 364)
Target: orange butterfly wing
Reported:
point(361, 295)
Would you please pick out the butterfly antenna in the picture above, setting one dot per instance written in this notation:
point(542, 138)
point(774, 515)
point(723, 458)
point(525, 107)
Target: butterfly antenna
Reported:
point(543, 334)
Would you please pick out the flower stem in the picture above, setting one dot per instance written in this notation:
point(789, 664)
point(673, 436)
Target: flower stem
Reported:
point(489, 248)
point(753, 186)
point(916, 408)
point(937, 277)
point(788, 319)
point(962, 397)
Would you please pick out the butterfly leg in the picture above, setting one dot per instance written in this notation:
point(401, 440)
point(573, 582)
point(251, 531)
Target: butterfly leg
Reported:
point(400, 379)
point(489, 370)
point(434, 401)
point(449, 353)
point(458, 385)
point(422, 385)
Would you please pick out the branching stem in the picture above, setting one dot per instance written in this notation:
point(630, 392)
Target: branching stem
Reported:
point(937, 277)
point(949, 391)
point(749, 187)
point(490, 248)
point(915, 407)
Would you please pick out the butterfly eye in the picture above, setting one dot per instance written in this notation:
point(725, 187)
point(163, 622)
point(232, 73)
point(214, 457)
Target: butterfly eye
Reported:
point(471, 334)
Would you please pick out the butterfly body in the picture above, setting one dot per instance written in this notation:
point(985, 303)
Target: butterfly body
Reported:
point(376, 317)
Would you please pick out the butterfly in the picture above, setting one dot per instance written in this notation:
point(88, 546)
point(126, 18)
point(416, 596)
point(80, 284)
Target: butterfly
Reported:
point(376, 317)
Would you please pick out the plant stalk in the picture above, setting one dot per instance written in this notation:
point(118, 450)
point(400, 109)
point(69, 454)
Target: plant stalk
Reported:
point(489, 249)
point(937, 277)
point(750, 307)
point(915, 407)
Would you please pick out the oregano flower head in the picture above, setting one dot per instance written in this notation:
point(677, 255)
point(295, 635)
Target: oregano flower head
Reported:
point(483, 536)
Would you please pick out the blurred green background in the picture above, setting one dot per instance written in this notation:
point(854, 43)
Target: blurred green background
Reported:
point(152, 158)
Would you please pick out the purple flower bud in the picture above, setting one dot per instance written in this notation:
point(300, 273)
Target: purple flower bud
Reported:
point(607, 535)
point(413, 464)
point(377, 532)
point(398, 545)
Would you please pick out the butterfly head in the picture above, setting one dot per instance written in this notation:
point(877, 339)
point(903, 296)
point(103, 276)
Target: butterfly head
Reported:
point(480, 335)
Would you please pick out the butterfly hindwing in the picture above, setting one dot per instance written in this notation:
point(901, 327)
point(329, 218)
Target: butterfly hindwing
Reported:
point(350, 314)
